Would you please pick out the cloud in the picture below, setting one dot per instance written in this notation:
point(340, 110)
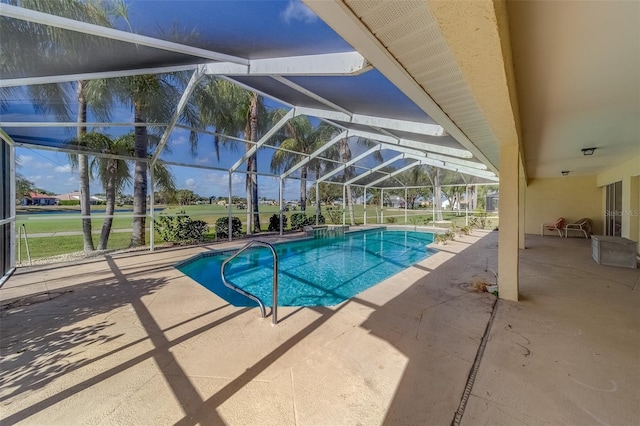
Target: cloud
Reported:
point(298, 11)
point(24, 159)
point(180, 140)
point(63, 169)
point(190, 183)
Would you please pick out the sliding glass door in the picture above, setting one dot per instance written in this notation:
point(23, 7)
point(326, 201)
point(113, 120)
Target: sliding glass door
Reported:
point(613, 212)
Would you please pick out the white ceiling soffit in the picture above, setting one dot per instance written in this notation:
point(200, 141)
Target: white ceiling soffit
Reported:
point(403, 41)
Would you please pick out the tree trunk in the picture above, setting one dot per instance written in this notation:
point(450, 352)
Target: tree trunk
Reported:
point(474, 198)
point(139, 182)
point(252, 163)
point(303, 188)
point(437, 194)
point(249, 190)
point(110, 193)
point(83, 172)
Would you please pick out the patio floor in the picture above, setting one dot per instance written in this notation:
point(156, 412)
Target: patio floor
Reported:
point(130, 340)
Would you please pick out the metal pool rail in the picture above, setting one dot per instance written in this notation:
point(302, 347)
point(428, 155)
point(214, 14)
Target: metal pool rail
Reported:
point(274, 309)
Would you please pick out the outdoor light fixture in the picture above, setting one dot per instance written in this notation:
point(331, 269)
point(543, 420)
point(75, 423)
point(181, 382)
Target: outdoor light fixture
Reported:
point(565, 172)
point(588, 151)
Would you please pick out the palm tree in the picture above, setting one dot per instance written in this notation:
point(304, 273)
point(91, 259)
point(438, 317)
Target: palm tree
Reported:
point(236, 112)
point(303, 138)
point(35, 43)
point(343, 152)
point(152, 99)
point(434, 175)
point(114, 173)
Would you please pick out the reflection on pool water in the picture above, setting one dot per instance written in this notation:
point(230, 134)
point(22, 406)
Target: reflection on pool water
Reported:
point(312, 272)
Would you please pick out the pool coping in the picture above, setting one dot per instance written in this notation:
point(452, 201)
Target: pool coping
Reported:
point(219, 252)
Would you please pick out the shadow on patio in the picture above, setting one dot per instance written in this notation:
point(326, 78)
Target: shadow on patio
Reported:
point(136, 342)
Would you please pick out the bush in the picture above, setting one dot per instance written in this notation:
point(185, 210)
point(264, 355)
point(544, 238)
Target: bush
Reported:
point(69, 202)
point(479, 220)
point(335, 215)
point(298, 221)
point(391, 219)
point(222, 227)
point(274, 223)
point(181, 229)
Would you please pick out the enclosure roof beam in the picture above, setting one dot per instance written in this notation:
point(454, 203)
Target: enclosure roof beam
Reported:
point(5, 137)
point(345, 63)
point(397, 172)
point(33, 124)
point(382, 122)
point(408, 143)
point(191, 86)
point(113, 34)
point(264, 139)
point(309, 94)
point(455, 167)
point(349, 163)
point(315, 154)
point(453, 160)
point(26, 81)
point(375, 169)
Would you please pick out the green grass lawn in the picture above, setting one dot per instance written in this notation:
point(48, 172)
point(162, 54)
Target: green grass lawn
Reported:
point(50, 246)
point(54, 246)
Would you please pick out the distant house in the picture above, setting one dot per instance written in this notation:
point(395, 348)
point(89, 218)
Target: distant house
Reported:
point(36, 199)
point(75, 196)
point(71, 196)
point(394, 201)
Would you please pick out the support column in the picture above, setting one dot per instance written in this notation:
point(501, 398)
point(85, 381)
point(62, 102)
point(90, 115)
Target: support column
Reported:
point(509, 233)
point(318, 203)
point(381, 205)
point(280, 203)
point(152, 208)
point(522, 189)
point(344, 205)
point(364, 206)
point(230, 207)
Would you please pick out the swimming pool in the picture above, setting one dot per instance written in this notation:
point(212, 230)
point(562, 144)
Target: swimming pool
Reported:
point(312, 272)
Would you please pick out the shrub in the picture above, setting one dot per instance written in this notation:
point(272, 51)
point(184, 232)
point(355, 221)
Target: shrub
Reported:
point(274, 223)
point(479, 220)
point(181, 229)
point(391, 219)
point(298, 221)
point(335, 215)
point(69, 202)
point(222, 227)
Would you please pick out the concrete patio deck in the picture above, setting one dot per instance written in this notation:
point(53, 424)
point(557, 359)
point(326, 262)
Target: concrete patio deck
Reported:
point(130, 340)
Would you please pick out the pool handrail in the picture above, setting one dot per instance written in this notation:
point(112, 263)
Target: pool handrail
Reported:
point(274, 309)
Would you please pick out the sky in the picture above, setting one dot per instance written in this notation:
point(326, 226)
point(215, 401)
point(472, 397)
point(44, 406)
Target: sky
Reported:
point(52, 171)
point(270, 28)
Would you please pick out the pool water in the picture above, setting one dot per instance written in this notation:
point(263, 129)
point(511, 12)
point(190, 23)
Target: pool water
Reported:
point(313, 272)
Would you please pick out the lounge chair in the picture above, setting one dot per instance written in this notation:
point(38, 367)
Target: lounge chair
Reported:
point(557, 226)
point(583, 225)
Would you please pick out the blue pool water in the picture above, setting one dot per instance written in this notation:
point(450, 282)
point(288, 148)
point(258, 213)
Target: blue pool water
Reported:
point(314, 272)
